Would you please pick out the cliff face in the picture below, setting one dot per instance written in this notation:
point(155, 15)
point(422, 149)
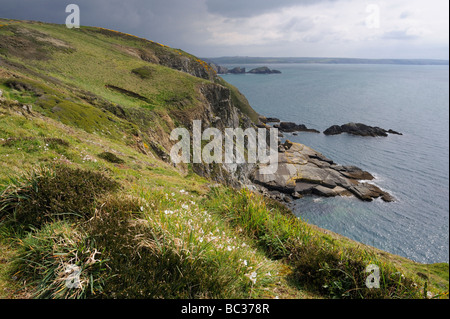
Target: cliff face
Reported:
point(221, 113)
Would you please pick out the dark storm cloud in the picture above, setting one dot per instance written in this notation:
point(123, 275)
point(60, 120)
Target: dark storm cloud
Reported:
point(44, 10)
point(166, 21)
point(249, 8)
point(96, 12)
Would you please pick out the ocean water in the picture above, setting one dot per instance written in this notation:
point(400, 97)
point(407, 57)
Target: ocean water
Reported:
point(414, 167)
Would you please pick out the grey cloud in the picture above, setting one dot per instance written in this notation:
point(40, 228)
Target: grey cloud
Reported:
point(249, 8)
point(298, 25)
point(398, 35)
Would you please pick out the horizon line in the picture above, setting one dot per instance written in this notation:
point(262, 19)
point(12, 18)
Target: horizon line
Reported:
point(324, 57)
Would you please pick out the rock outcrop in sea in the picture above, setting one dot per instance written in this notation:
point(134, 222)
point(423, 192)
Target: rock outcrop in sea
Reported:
point(359, 129)
point(290, 127)
point(264, 70)
point(302, 171)
point(237, 70)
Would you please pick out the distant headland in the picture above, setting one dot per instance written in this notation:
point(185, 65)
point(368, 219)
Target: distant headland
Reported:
point(240, 70)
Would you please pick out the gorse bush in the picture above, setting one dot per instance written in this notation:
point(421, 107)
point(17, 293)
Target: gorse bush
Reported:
point(50, 194)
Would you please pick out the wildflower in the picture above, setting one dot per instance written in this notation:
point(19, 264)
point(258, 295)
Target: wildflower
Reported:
point(168, 212)
point(252, 277)
point(245, 262)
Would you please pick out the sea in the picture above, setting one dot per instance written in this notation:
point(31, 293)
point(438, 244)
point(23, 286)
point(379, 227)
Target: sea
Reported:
point(414, 168)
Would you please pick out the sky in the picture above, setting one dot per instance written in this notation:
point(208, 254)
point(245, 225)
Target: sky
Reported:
point(392, 29)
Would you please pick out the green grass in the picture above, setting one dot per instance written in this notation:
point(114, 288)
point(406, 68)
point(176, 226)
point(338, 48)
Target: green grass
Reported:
point(319, 264)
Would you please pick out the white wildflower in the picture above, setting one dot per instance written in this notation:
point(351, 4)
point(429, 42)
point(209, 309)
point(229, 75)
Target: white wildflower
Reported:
point(252, 277)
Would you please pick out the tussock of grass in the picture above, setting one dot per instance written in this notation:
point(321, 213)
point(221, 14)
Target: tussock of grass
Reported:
point(143, 72)
point(47, 258)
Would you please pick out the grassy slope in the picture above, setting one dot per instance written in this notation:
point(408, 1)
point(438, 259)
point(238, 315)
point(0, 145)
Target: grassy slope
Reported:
point(79, 64)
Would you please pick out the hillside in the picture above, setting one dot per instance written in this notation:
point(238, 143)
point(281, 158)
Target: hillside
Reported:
point(87, 185)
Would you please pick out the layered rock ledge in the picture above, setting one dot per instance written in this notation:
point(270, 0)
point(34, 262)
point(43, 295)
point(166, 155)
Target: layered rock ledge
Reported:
point(302, 171)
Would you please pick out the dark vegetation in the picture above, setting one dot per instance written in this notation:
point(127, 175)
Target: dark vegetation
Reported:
point(111, 157)
point(49, 195)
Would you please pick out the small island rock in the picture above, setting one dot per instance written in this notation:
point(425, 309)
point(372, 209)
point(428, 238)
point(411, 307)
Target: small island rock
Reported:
point(358, 129)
